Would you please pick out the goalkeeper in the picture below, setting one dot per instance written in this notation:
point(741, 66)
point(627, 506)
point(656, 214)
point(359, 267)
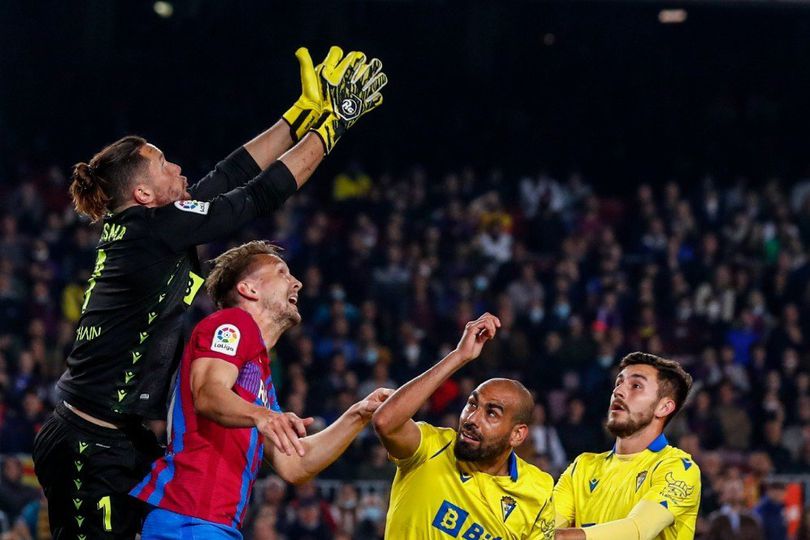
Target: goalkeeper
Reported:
point(643, 489)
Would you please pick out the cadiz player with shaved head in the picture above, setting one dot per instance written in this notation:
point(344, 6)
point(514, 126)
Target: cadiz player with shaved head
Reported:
point(466, 483)
point(642, 489)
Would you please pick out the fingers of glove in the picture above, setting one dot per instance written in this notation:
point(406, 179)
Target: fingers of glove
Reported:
point(375, 85)
point(332, 58)
point(351, 59)
point(359, 73)
point(373, 101)
point(372, 69)
point(309, 80)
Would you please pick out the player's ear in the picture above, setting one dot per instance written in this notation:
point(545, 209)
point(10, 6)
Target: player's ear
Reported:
point(665, 407)
point(519, 435)
point(246, 290)
point(142, 194)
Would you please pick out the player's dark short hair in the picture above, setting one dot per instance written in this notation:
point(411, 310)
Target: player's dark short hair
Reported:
point(101, 184)
point(673, 380)
point(232, 266)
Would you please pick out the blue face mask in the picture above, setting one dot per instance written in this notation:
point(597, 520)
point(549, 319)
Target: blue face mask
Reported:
point(536, 315)
point(371, 513)
point(562, 310)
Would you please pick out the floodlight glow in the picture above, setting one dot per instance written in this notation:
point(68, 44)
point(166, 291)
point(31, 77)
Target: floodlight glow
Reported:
point(163, 9)
point(671, 16)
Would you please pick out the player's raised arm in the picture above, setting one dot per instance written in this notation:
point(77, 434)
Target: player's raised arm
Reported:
point(324, 447)
point(393, 420)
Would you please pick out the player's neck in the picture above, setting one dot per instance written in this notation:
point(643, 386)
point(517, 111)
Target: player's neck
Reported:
point(268, 326)
point(638, 441)
point(498, 466)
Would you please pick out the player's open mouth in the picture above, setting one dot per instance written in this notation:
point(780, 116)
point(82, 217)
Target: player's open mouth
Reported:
point(617, 407)
point(469, 437)
point(293, 300)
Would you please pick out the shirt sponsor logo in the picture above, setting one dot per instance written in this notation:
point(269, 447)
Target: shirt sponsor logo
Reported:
point(195, 207)
point(451, 520)
point(226, 339)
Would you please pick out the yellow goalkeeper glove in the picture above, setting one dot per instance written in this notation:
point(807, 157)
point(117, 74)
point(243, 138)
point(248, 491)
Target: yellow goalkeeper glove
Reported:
point(304, 112)
point(349, 89)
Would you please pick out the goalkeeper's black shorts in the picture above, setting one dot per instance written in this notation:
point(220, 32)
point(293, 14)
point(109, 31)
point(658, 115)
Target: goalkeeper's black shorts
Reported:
point(87, 471)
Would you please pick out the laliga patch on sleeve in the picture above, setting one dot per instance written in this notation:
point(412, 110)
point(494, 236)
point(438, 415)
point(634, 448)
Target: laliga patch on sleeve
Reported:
point(226, 339)
point(196, 207)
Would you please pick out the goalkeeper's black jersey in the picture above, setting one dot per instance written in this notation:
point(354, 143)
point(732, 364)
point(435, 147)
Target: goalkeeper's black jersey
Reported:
point(128, 341)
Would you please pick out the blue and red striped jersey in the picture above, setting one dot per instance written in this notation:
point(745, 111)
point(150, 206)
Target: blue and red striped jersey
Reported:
point(209, 469)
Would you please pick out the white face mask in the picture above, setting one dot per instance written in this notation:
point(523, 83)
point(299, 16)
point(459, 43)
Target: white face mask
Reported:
point(412, 353)
point(537, 315)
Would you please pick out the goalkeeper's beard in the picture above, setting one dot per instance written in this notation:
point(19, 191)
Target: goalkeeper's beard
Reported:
point(633, 423)
point(483, 451)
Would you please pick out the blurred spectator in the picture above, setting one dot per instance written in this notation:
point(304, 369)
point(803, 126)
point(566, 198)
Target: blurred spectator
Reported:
point(14, 495)
point(546, 441)
point(733, 519)
point(771, 512)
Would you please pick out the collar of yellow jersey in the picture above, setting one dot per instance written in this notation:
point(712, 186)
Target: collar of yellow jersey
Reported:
point(513, 472)
point(657, 445)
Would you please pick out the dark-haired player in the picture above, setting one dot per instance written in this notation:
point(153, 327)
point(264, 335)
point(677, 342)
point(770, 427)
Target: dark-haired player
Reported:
point(643, 489)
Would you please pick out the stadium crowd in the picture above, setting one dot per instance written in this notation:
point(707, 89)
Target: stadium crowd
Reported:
point(717, 277)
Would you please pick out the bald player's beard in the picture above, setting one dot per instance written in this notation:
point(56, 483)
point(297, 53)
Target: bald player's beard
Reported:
point(484, 451)
point(633, 424)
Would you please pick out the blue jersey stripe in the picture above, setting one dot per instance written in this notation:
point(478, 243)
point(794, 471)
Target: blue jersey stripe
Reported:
point(178, 430)
point(247, 476)
point(137, 489)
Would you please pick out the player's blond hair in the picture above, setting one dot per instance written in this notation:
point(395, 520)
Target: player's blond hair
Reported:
point(232, 266)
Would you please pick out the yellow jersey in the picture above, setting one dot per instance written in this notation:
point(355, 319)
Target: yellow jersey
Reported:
point(435, 497)
point(597, 488)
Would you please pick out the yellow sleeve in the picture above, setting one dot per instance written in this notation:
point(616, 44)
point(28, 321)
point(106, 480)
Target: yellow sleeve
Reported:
point(675, 485)
point(644, 522)
point(565, 512)
point(432, 440)
point(543, 528)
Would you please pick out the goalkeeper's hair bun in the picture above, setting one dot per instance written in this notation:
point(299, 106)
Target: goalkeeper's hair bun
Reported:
point(101, 185)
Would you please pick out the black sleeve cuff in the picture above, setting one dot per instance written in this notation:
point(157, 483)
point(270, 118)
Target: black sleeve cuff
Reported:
point(272, 187)
point(242, 159)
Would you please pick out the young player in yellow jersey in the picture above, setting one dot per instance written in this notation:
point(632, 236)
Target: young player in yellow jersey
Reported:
point(465, 484)
point(643, 489)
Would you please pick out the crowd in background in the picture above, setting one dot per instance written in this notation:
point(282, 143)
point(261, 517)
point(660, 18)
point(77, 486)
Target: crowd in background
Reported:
point(716, 276)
